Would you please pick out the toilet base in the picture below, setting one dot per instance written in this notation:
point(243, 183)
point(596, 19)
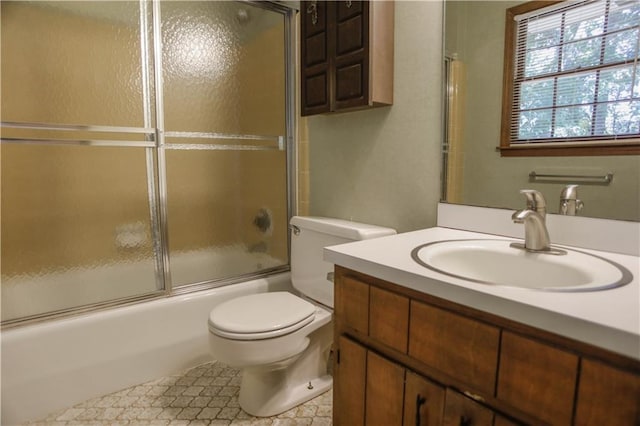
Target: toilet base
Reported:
point(273, 389)
point(260, 399)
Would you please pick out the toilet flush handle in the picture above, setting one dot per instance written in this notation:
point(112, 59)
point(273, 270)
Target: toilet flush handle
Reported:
point(295, 229)
point(330, 276)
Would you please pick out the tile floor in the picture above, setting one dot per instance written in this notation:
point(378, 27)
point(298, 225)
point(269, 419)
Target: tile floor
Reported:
point(204, 395)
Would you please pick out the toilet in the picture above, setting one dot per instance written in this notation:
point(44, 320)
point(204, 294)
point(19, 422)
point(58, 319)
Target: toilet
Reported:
point(281, 341)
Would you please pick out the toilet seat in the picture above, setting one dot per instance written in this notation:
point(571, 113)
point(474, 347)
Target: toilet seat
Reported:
point(260, 316)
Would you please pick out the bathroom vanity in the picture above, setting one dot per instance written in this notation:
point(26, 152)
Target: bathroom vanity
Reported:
point(415, 347)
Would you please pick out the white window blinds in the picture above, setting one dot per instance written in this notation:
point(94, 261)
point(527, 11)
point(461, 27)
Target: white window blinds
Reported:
point(576, 74)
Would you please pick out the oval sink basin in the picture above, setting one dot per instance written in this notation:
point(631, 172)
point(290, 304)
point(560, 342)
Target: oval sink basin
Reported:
point(497, 262)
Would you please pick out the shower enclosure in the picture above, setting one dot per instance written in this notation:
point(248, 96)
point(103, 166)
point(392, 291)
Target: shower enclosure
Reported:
point(146, 150)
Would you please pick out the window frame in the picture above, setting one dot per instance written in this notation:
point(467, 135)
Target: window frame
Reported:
point(591, 148)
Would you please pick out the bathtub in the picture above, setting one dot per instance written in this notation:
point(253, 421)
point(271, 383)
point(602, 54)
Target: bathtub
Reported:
point(56, 364)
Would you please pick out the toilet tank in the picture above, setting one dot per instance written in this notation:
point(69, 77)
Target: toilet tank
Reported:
point(309, 236)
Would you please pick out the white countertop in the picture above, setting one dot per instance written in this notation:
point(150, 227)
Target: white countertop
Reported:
point(609, 319)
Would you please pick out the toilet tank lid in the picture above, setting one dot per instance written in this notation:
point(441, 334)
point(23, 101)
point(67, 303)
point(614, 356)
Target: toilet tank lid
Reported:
point(341, 228)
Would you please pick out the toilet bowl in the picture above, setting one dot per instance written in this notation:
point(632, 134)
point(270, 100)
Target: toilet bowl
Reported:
point(283, 363)
point(282, 341)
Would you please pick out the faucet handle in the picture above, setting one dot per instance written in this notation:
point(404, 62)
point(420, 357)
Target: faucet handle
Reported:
point(569, 192)
point(535, 201)
point(569, 202)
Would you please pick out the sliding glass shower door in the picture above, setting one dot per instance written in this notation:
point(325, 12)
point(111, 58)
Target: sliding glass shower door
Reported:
point(144, 149)
point(224, 119)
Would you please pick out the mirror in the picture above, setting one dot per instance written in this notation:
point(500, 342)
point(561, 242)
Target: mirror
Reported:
point(475, 173)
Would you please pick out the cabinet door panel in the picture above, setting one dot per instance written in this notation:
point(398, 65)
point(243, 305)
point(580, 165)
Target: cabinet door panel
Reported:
point(607, 395)
point(347, 9)
point(349, 384)
point(316, 90)
point(350, 36)
point(385, 386)
point(423, 402)
point(456, 345)
point(462, 411)
point(314, 18)
point(350, 82)
point(389, 318)
point(315, 50)
point(352, 27)
point(537, 379)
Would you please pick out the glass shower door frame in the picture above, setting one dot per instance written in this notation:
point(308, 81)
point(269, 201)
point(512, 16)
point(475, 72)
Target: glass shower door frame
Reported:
point(155, 146)
point(278, 142)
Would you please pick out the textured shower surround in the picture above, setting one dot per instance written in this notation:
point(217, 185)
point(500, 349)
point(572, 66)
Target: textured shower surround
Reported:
point(204, 395)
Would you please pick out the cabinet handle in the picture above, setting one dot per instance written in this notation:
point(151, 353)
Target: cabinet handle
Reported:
point(419, 401)
point(349, 4)
point(465, 421)
point(312, 9)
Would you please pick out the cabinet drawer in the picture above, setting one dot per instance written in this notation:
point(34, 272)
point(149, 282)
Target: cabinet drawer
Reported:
point(607, 395)
point(352, 303)
point(389, 318)
point(456, 345)
point(537, 379)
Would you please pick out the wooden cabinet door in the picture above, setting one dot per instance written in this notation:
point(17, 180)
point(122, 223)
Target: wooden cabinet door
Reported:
point(349, 383)
point(315, 56)
point(351, 88)
point(462, 411)
point(537, 378)
point(607, 395)
point(384, 391)
point(423, 401)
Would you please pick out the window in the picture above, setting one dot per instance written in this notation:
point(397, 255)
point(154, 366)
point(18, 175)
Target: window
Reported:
point(572, 79)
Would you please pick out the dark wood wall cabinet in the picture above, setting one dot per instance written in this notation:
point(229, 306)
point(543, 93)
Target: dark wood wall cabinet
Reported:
point(407, 358)
point(346, 59)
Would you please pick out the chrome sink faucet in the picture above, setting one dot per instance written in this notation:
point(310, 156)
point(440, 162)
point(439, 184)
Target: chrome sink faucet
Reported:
point(569, 203)
point(536, 236)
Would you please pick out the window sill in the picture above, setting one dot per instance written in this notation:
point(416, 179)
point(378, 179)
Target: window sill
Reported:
point(569, 151)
